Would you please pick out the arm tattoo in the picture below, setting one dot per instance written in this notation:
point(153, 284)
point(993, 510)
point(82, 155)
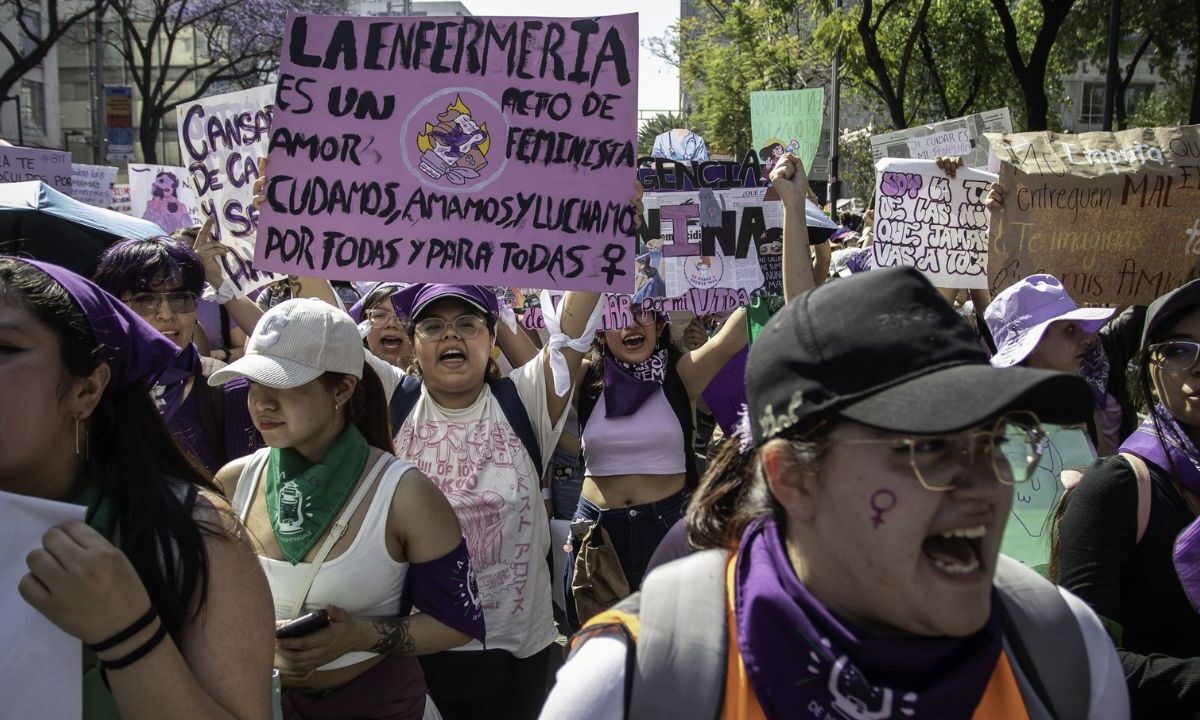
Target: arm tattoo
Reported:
point(393, 636)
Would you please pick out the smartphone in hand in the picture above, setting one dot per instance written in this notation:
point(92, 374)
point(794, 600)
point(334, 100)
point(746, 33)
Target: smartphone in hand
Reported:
point(303, 625)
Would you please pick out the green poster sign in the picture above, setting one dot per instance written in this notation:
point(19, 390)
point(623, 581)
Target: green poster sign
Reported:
point(1027, 535)
point(791, 119)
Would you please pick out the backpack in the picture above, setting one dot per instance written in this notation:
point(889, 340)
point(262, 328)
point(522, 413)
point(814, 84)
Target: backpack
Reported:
point(677, 666)
point(404, 399)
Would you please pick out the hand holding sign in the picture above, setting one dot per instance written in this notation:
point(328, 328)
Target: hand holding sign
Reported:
point(789, 179)
point(209, 250)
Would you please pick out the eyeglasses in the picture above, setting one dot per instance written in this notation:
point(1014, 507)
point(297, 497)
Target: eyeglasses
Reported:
point(382, 318)
point(467, 327)
point(1013, 448)
point(146, 304)
point(1175, 355)
point(645, 318)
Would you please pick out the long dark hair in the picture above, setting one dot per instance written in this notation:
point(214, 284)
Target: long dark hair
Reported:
point(133, 459)
point(733, 492)
point(367, 408)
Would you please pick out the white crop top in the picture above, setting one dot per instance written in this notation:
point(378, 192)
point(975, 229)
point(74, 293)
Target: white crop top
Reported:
point(364, 580)
point(648, 442)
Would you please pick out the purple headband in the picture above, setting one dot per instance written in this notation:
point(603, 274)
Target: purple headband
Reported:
point(134, 351)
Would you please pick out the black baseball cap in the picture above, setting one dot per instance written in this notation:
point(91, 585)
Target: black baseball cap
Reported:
point(1167, 309)
point(884, 349)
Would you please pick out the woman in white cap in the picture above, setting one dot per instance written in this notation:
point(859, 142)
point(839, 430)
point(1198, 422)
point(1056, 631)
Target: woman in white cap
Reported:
point(342, 525)
point(1035, 323)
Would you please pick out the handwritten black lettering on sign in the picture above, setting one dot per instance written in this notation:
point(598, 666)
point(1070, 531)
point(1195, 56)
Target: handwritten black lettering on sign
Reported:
point(222, 139)
point(495, 151)
point(930, 221)
point(1115, 216)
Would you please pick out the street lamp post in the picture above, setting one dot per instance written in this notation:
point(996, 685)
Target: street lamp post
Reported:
point(20, 116)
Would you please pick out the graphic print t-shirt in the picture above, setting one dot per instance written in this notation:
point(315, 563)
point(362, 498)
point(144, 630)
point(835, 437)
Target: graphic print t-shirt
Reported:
point(476, 459)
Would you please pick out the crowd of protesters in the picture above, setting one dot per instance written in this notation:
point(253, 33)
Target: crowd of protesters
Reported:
point(335, 501)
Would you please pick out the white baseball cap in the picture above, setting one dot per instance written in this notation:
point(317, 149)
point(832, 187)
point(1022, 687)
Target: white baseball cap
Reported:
point(296, 342)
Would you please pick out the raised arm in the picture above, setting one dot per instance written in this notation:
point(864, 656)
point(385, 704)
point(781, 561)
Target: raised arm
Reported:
point(242, 311)
point(699, 367)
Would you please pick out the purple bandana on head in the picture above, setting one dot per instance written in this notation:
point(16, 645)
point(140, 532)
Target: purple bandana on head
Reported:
point(628, 385)
point(172, 381)
point(803, 662)
point(134, 351)
point(1175, 454)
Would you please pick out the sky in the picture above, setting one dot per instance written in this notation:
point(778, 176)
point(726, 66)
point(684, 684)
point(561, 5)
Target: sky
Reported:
point(658, 82)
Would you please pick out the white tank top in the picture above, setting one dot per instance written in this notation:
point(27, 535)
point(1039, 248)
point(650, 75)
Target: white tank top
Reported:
point(364, 580)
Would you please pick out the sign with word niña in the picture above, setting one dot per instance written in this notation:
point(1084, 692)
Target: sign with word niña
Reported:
point(475, 149)
point(935, 223)
point(1114, 216)
point(221, 139)
point(21, 164)
point(93, 184)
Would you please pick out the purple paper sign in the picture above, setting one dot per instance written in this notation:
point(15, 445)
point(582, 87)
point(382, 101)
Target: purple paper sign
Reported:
point(466, 150)
point(19, 164)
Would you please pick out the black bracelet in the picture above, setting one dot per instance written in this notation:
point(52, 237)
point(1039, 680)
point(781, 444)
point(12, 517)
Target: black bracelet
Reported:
point(138, 625)
point(138, 654)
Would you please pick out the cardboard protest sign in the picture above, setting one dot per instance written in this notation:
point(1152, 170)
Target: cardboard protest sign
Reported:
point(93, 184)
point(787, 121)
point(930, 221)
point(454, 150)
point(1114, 216)
point(163, 195)
point(221, 139)
point(120, 199)
point(964, 136)
point(1027, 534)
point(21, 164)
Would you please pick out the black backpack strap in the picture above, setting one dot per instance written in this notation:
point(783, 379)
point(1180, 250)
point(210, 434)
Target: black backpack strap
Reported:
point(682, 643)
point(404, 399)
point(681, 405)
point(1046, 639)
point(505, 391)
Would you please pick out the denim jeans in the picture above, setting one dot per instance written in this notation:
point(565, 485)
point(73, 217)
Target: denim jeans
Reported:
point(635, 533)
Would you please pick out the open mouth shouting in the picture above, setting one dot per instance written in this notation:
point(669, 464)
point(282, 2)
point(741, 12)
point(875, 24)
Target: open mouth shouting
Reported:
point(957, 553)
point(453, 358)
point(392, 342)
point(633, 342)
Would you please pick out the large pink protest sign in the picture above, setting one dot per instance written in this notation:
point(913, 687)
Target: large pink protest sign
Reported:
point(477, 150)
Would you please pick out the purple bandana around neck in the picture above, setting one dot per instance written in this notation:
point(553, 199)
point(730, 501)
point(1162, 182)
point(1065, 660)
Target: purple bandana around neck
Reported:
point(628, 385)
point(805, 663)
point(1174, 451)
point(168, 391)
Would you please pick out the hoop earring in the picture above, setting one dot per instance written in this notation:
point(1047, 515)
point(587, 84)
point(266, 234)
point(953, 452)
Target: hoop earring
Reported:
point(82, 450)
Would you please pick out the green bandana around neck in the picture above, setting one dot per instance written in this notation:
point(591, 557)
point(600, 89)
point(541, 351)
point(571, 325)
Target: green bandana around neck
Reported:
point(303, 498)
point(101, 513)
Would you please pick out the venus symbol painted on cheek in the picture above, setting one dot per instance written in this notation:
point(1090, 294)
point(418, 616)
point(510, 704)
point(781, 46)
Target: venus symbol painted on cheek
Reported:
point(882, 501)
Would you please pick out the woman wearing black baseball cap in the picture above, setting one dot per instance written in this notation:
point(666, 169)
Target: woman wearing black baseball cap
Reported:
point(1128, 538)
point(855, 570)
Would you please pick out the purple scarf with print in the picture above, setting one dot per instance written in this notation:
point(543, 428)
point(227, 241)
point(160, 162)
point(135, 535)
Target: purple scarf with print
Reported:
point(1175, 454)
point(803, 662)
point(628, 385)
point(169, 386)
